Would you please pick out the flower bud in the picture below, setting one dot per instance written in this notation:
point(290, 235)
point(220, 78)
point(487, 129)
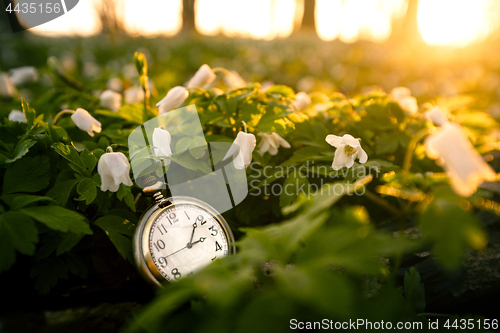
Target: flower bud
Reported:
point(114, 169)
point(22, 75)
point(202, 77)
point(7, 89)
point(133, 94)
point(16, 115)
point(111, 100)
point(84, 121)
point(174, 98)
point(302, 100)
point(437, 116)
point(244, 144)
point(161, 143)
point(115, 84)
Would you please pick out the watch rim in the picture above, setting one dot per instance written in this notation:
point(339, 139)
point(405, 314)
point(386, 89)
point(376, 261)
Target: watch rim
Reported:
point(143, 259)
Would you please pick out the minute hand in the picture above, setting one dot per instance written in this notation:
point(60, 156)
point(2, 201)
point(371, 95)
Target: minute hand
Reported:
point(202, 239)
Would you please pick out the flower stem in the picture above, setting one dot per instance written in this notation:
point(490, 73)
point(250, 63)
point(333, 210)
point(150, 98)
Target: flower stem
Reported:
point(244, 126)
point(227, 73)
point(383, 203)
point(411, 149)
point(109, 149)
point(60, 114)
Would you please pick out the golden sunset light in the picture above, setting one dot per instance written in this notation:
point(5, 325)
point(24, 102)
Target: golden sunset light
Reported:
point(440, 22)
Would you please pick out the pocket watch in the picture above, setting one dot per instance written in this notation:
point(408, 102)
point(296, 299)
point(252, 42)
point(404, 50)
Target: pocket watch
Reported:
point(178, 236)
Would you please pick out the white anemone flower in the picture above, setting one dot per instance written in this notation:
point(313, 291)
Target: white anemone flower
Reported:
point(111, 99)
point(246, 143)
point(454, 152)
point(406, 101)
point(115, 84)
point(114, 169)
point(302, 100)
point(174, 98)
point(271, 143)
point(134, 94)
point(348, 149)
point(22, 75)
point(16, 115)
point(202, 77)
point(7, 89)
point(84, 121)
point(437, 116)
point(161, 143)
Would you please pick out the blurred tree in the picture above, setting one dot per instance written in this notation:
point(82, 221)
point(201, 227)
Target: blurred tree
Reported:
point(308, 21)
point(108, 15)
point(188, 23)
point(405, 30)
point(13, 20)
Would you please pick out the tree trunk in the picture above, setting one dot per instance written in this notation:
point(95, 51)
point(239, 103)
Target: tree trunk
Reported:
point(406, 30)
point(308, 21)
point(188, 23)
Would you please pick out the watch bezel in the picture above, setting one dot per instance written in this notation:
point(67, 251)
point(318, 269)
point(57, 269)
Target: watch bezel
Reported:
point(142, 256)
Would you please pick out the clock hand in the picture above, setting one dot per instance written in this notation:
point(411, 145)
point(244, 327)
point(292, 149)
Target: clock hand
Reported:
point(176, 252)
point(202, 239)
point(192, 235)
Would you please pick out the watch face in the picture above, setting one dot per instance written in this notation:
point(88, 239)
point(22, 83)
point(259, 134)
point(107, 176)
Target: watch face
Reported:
point(181, 238)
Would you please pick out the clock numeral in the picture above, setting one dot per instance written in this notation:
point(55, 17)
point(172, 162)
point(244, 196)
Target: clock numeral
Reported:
point(214, 231)
point(172, 218)
point(187, 215)
point(200, 219)
point(162, 261)
point(162, 229)
point(214, 258)
point(160, 245)
point(217, 246)
point(176, 273)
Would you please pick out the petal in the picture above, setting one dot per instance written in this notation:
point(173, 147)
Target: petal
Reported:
point(362, 156)
point(350, 140)
point(161, 142)
point(334, 140)
point(340, 160)
point(202, 77)
point(350, 161)
point(280, 141)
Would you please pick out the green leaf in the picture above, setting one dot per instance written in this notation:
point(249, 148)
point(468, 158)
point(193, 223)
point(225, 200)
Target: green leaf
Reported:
point(71, 154)
point(68, 241)
point(87, 190)
point(387, 144)
point(282, 90)
point(48, 272)
point(125, 193)
point(29, 113)
point(17, 233)
point(21, 150)
point(89, 161)
point(414, 290)
point(61, 191)
point(58, 218)
point(27, 175)
point(292, 187)
point(116, 228)
point(275, 120)
point(18, 201)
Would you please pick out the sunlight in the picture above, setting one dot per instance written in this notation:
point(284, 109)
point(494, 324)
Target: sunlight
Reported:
point(455, 22)
point(151, 17)
point(350, 20)
point(80, 21)
point(260, 19)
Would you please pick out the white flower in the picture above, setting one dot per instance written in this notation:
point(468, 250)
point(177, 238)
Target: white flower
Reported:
point(115, 84)
point(174, 98)
point(84, 121)
point(7, 89)
point(161, 142)
point(302, 100)
point(114, 169)
point(271, 143)
point(235, 81)
point(463, 165)
point(111, 99)
point(348, 149)
point(437, 116)
point(406, 101)
point(22, 75)
point(16, 115)
point(246, 144)
point(133, 94)
point(202, 77)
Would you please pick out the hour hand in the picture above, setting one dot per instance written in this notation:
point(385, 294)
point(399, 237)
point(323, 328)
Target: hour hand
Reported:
point(202, 239)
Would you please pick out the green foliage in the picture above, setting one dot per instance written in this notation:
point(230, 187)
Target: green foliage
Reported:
point(414, 290)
